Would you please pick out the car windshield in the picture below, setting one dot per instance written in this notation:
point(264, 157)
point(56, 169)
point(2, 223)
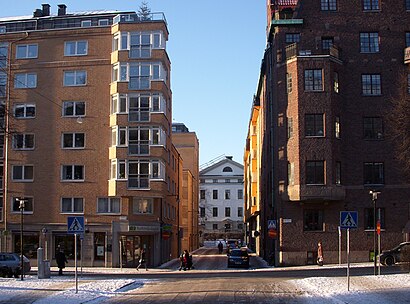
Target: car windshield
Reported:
point(238, 253)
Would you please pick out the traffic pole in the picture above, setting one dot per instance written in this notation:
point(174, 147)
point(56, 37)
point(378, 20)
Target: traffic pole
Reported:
point(75, 263)
point(348, 259)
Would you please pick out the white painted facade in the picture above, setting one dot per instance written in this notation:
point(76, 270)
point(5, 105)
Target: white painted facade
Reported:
point(221, 202)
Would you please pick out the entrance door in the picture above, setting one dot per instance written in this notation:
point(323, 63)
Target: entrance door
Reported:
point(130, 250)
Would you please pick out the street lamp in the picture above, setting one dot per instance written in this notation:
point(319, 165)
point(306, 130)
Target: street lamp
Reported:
point(21, 207)
point(374, 199)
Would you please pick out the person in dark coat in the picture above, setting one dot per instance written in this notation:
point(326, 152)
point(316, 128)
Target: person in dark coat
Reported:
point(142, 260)
point(220, 247)
point(61, 260)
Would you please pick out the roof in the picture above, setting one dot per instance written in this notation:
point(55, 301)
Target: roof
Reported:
point(222, 163)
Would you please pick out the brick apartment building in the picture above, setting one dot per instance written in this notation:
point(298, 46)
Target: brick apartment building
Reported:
point(319, 132)
point(88, 108)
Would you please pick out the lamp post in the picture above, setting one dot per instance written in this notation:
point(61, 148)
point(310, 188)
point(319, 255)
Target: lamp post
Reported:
point(374, 199)
point(21, 207)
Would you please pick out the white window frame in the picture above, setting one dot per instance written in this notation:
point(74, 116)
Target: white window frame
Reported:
point(3, 29)
point(103, 22)
point(76, 48)
point(86, 23)
point(73, 138)
point(25, 139)
point(72, 179)
point(76, 75)
point(68, 103)
point(25, 81)
point(26, 50)
point(23, 173)
point(72, 205)
point(110, 203)
point(24, 106)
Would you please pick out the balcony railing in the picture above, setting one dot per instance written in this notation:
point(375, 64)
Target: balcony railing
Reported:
point(281, 4)
point(293, 50)
point(137, 18)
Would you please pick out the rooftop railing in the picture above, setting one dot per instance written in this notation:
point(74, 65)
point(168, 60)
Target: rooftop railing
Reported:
point(136, 18)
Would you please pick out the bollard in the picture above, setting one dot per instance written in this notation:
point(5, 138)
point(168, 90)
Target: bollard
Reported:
point(40, 264)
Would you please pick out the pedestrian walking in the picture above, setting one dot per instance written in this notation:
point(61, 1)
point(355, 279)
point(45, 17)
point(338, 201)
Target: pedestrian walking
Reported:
point(142, 260)
point(61, 260)
point(220, 247)
point(319, 254)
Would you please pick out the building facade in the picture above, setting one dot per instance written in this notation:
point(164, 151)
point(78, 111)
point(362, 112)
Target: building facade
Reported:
point(221, 200)
point(88, 107)
point(187, 145)
point(319, 135)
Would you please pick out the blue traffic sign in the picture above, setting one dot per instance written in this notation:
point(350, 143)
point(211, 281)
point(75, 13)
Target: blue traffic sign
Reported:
point(348, 219)
point(272, 224)
point(75, 224)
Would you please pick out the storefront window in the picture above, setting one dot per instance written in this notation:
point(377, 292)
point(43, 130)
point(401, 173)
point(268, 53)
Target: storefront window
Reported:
point(99, 246)
point(65, 242)
point(30, 244)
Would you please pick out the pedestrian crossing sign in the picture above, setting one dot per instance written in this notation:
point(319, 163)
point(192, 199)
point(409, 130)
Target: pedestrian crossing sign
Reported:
point(348, 219)
point(75, 224)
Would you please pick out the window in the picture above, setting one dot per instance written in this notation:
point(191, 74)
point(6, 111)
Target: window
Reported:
point(227, 211)
point(215, 194)
point(408, 5)
point(289, 82)
point(327, 43)
point(292, 37)
point(373, 128)
point(291, 174)
point(328, 5)
point(336, 82)
point(26, 51)
point(1, 208)
point(202, 194)
point(369, 218)
point(227, 169)
point(24, 173)
point(371, 84)
point(3, 79)
point(369, 42)
point(86, 23)
point(23, 141)
point(338, 175)
point(407, 39)
point(139, 108)
point(215, 181)
point(373, 173)
point(371, 5)
point(3, 29)
point(227, 194)
point(103, 22)
point(240, 226)
point(118, 169)
point(73, 108)
point(290, 127)
point(73, 140)
point(202, 211)
point(25, 81)
point(72, 205)
point(314, 125)
point(215, 226)
point(24, 110)
point(313, 220)
point(337, 127)
point(227, 180)
point(75, 78)
point(240, 193)
point(315, 172)
point(215, 211)
point(140, 45)
point(72, 173)
point(28, 204)
point(138, 174)
point(240, 211)
point(75, 48)
point(108, 205)
point(142, 205)
point(313, 80)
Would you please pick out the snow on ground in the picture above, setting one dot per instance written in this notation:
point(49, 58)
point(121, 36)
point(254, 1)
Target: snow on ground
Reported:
point(363, 289)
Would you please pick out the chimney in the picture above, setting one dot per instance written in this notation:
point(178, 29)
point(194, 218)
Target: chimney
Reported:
point(46, 9)
point(38, 13)
point(62, 9)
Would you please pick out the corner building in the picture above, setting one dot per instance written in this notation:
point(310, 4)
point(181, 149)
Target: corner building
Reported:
point(319, 134)
point(88, 108)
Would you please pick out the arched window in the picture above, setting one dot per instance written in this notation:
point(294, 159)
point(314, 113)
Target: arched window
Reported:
point(227, 169)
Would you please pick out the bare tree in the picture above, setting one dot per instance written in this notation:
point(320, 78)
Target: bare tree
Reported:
point(399, 120)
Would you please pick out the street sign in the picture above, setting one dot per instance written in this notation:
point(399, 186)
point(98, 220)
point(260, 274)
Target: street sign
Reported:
point(272, 233)
point(75, 224)
point(348, 219)
point(271, 224)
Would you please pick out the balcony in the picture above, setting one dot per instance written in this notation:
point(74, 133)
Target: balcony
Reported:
point(316, 193)
point(138, 18)
point(293, 50)
point(282, 4)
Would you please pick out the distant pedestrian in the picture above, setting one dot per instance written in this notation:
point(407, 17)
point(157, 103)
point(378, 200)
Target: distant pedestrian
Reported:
point(220, 247)
point(319, 254)
point(61, 260)
point(142, 260)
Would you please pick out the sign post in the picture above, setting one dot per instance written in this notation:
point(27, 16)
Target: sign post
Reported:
point(348, 220)
point(75, 225)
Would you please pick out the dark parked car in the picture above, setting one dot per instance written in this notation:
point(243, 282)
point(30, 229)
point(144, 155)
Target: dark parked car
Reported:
point(392, 256)
point(10, 264)
point(238, 258)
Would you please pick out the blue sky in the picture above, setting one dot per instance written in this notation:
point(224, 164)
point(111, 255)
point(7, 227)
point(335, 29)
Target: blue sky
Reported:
point(215, 47)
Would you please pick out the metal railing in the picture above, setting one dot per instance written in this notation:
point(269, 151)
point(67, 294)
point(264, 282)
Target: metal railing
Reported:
point(293, 50)
point(136, 18)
